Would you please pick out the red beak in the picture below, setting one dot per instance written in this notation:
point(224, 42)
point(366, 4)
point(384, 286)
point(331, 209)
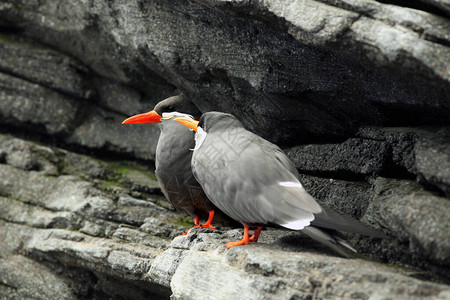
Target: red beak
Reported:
point(148, 117)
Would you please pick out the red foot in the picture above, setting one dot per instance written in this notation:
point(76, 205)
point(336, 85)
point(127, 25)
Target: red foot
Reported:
point(196, 222)
point(255, 236)
point(207, 226)
point(186, 232)
point(245, 240)
point(208, 223)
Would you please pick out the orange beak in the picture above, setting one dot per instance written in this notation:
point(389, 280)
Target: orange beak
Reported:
point(192, 124)
point(148, 117)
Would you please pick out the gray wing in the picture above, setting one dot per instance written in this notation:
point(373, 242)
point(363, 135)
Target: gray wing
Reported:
point(251, 180)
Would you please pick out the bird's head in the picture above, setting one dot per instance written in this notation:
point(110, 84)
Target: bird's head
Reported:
point(166, 110)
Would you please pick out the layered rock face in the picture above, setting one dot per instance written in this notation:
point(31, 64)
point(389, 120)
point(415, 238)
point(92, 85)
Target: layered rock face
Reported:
point(356, 92)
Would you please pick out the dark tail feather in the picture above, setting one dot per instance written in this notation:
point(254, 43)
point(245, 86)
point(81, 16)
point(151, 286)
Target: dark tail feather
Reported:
point(331, 219)
point(326, 237)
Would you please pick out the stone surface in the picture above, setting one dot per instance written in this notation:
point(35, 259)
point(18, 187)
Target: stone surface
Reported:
point(413, 216)
point(98, 234)
point(42, 90)
point(433, 161)
point(421, 153)
point(354, 155)
point(44, 66)
point(442, 4)
point(64, 222)
point(23, 279)
point(323, 76)
point(262, 271)
point(356, 91)
point(31, 105)
point(103, 130)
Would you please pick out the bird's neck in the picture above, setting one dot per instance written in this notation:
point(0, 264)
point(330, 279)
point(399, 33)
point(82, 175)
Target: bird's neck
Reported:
point(200, 137)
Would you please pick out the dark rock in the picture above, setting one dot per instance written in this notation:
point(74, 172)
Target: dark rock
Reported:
point(124, 100)
point(350, 197)
point(28, 156)
point(395, 152)
point(103, 130)
point(26, 104)
point(442, 4)
point(433, 161)
point(415, 217)
point(76, 164)
point(43, 66)
point(23, 278)
point(400, 141)
point(227, 62)
point(353, 156)
point(422, 152)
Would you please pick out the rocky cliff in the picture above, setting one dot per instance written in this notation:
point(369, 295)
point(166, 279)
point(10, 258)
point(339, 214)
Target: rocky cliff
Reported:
point(356, 92)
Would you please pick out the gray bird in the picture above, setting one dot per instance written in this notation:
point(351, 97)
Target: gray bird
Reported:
point(173, 158)
point(254, 182)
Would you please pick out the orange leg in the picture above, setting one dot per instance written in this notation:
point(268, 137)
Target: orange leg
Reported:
point(196, 222)
point(245, 240)
point(208, 223)
point(255, 236)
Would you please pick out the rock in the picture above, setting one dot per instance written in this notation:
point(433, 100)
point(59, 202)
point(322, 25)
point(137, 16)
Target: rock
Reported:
point(258, 271)
point(17, 212)
point(76, 164)
point(77, 236)
point(46, 67)
point(433, 161)
point(135, 211)
point(27, 156)
point(353, 156)
point(402, 152)
point(324, 77)
point(103, 130)
point(442, 4)
point(39, 88)
point(160, 228)
point(416, 217)
point(79, 232)
point(128, 101)
point(24, 278)
point(106, 258)
point(350, 197)
point(26, 104)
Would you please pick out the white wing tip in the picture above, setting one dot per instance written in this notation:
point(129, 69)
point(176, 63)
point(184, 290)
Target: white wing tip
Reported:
point(296, 225)
point(291, 184)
